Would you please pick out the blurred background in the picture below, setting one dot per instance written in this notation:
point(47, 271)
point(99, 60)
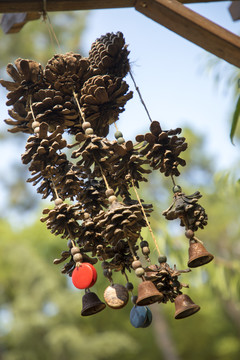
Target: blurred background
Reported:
point(182, 86)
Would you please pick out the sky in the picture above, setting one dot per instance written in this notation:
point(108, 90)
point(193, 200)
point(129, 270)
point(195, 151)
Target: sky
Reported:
point(172, 75)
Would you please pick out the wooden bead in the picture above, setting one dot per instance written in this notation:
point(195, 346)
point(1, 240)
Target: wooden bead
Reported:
point(89, 131)
point(109, 192)
point(86, 125)
point(136, 264)
point(162, 259)
point(58, 201)
point(129, 286)
point(77, 257)
point(35, 124)
point(118, 134)
point(36, 130)
point(75, 250)
point(120, 140)
point(189, 233)
point(145, 250)
point(112, 198)
point(139, 272)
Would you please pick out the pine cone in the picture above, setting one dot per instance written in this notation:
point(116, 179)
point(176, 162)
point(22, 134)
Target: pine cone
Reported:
point(55, 109)
point(27, 76)
point(67, 72)
point(163, 149)
point(109, 54)
point(21, 122)
point(93, 150)
point(187, 209)
point(92, 196)
point(63, 220)
point(121, 222)
point(102, 100)
point(126, 166)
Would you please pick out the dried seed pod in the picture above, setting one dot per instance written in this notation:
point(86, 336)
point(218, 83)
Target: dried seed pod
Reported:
point(67, 72)
point(109, 54)
point(27, 78)
point(102, 99)
point(162, 149)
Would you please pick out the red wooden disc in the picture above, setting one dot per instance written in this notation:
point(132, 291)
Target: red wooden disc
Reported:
point(83, 276)
point(94, 275)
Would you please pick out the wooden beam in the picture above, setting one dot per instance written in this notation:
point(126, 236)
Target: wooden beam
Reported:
point(7, 6)
point(234, 10)
point(13, 22)
point(193, 27)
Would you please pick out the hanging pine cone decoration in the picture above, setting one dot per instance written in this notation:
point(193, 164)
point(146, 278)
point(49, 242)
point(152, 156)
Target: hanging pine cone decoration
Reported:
point(186, 208)
point(67, 72)
point(102, 99)
point(55, 109)
point(163, 149)
point(94, 209)
point(109, 54)
point(27, 78)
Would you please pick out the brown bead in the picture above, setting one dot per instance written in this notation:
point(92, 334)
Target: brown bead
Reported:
point(112, 198)
point(75, 250)
point(86, 125)
point(139, 272)
point(89, 131)
point(77, 257)
point(36, 130)
point(189, 234)
point(136, 264)
point(35, 124)
point(109, 192)
point(58, 201)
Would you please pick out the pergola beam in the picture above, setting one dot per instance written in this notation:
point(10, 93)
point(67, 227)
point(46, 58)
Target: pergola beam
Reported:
point(193, 27)
point(14, 6)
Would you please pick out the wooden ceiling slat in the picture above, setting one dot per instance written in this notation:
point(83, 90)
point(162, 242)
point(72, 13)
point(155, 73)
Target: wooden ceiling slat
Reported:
point(7, 6)
point(193, 27)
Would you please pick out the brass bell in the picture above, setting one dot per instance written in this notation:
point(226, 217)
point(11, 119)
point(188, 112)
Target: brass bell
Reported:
point(148, 294)
point(184, 306)
point(91, 304)
point(198, 255)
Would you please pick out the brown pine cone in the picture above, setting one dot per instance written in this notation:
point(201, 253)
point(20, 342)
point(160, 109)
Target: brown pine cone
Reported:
point(92, 196)
point(93, 150)
point(120, 222)
point(109, 54)
point(22, 122)
point(67, 72)
point(63, 220)
point(55, 109)
point(27, 78)
point(186, 208)
point(163, 149)
point(102, 100)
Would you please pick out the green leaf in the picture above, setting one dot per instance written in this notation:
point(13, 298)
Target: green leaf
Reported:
point(235, 119)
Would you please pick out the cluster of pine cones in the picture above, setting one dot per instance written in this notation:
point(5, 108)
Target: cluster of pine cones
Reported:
point(90, 187)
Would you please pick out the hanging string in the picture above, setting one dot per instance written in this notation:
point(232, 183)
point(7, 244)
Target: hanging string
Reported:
point(79, 107)
point(50, 28)
point(140, 96)
point(31, 108)
point(146, 219)
point(115, 126)
point(102, 173)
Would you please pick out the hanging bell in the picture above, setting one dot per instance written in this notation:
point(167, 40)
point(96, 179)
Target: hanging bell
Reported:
point(184, 306)
point(140, 316)
point(91, 304)
point(148, 294)
point(198, 255)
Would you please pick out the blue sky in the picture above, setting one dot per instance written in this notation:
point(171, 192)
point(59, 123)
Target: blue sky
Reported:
point(171, 74)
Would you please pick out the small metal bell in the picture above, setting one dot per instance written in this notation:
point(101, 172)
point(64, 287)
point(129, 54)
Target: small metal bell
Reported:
point(148, 294)
point(184, 306)
point(198, 255)
point(91, 304)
